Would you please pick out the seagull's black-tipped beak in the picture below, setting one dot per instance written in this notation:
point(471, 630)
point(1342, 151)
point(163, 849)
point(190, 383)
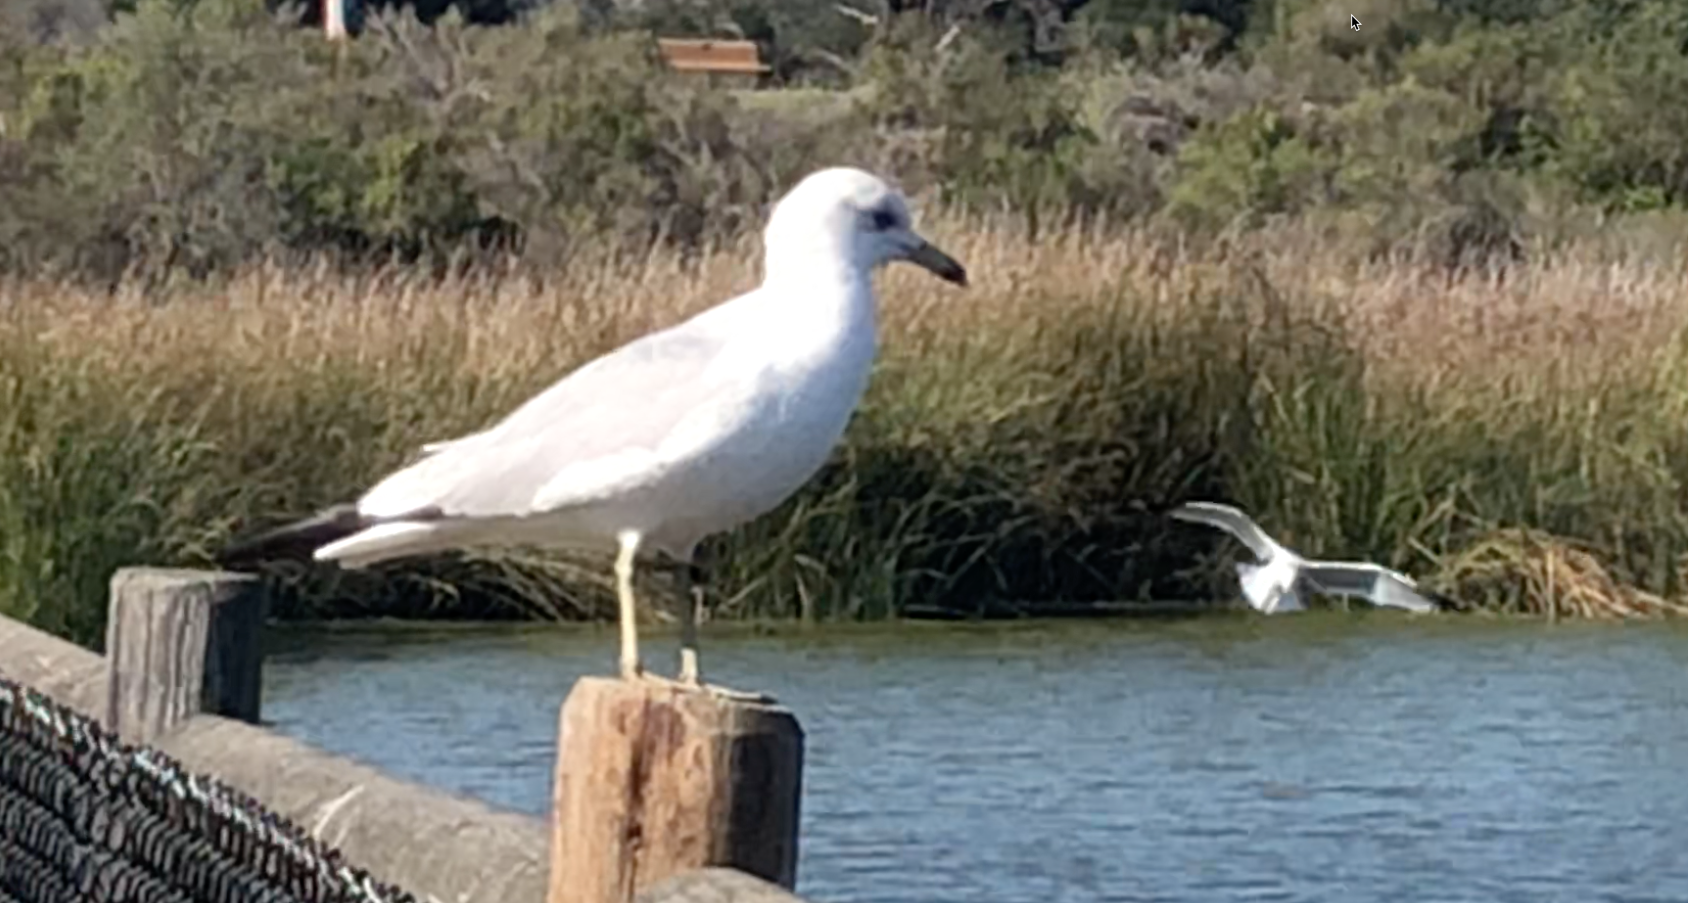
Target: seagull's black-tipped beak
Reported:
point(938, 263)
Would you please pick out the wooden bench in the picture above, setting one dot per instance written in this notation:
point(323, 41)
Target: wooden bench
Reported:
point(694, 55)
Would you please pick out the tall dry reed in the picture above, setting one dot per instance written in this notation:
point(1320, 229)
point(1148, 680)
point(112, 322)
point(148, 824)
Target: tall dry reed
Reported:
point(1016, 442)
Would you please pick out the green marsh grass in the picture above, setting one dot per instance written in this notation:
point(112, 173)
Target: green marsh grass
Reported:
point(1017, 442)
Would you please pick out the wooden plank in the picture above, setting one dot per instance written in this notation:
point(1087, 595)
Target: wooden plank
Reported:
point(692, 55)
point(179, 643)
point(654, 781)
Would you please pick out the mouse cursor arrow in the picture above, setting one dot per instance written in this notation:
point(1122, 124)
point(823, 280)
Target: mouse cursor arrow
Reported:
point(1354, 22)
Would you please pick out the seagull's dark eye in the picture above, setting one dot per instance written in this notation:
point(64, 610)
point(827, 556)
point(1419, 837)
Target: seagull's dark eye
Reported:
point(883, 220)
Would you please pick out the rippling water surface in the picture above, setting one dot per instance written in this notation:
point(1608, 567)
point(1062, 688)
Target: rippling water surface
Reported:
point(1310, 758)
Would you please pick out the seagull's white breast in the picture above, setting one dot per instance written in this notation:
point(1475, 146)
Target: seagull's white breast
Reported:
point(809, 373)
point(1270, 587)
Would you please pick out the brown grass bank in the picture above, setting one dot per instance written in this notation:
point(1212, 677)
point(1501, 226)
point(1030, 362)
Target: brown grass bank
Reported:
point(1488, 430)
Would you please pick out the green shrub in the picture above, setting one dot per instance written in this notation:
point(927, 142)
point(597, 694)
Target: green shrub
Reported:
point(193, 137)
point(1621, 129)
point(1248, 167)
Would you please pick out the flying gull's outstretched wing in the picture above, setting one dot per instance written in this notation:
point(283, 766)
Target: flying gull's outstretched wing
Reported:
point(1233, 521)
point(1375, 583)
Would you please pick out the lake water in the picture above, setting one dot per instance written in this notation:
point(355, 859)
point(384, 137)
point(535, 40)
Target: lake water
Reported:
point(1319, 758)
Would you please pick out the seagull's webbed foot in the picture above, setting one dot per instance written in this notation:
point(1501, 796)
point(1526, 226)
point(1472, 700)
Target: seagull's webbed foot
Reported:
point(683, 685)
point(690, 677)
point(730, 695)
point(647, 677)
point(690, 577)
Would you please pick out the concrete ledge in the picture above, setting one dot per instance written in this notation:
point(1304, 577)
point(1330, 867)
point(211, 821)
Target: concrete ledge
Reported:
point(72, 675)
point(428, 841)
point(716, 885)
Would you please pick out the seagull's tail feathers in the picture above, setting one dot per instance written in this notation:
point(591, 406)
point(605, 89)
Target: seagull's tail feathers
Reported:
point(294, 541)
point(385, 541)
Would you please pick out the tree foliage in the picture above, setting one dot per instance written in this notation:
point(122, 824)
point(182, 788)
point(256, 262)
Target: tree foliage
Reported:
point(195, 134)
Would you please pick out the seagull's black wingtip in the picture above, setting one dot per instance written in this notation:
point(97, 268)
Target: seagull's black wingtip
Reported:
point(1445, 603)
point(294, 541)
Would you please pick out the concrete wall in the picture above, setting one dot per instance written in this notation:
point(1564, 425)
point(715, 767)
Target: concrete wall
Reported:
point(70, 674)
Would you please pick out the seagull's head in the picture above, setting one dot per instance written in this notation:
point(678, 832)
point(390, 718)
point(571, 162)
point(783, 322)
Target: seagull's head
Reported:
point(854, 213)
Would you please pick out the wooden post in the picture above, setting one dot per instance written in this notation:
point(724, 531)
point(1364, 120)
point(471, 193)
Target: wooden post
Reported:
point(653, 781)
point(179, 643)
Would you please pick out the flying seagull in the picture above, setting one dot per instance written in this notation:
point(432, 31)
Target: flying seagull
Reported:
point(1277, 583)
point(669, 439)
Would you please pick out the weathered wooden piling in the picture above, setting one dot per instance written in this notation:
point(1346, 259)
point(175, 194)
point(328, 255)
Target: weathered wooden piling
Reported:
point(179, 643)
point(655, 781)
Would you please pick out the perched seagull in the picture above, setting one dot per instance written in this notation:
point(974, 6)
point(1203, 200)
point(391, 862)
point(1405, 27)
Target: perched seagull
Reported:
point(671, 438)
point(1276, 584)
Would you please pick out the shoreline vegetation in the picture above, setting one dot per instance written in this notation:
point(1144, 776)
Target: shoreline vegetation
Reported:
point(1416, 294)
point(1512, 437)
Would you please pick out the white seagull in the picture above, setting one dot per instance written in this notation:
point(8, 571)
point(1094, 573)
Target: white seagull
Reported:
point(673, 437)
point(1276, 584)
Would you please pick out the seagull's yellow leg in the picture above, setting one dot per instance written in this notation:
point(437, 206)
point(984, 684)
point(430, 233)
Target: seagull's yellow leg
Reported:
point(630, 668)
point(690, 676)
point(625, 562)
point(692, 601)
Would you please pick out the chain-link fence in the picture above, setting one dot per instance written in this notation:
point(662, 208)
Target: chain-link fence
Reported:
point(88, 819)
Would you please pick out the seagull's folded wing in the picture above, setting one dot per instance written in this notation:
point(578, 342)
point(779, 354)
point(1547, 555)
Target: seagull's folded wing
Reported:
point(610, 425)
